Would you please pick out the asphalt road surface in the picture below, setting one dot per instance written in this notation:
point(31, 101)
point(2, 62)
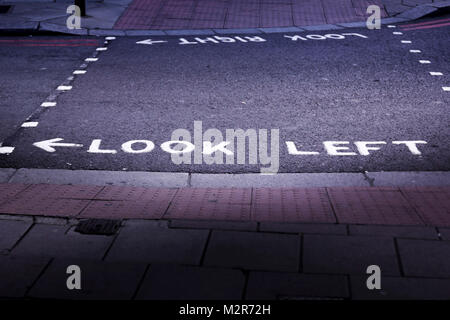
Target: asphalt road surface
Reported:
point(353, 99)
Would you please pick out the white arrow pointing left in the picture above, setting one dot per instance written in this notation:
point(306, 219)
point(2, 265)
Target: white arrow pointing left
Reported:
point(48, 145)
point(150, 41)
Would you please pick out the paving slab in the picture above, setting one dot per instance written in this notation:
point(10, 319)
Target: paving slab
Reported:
point(99, 280)
point(422, 178)
point(154, 242)
point(58, 241)
point(17, 274)
point(348, 255)
point(216, 225)
point(393, 288)
point(11, 231)
point(274, 285)
point(171, 282)
point(253, 251)
point(6, 174)
point(395, 231)
point(305, 228)
point(425, 258)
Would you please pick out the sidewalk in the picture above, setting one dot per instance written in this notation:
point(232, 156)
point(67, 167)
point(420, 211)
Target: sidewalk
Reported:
point(218, 243)
point(158, 17)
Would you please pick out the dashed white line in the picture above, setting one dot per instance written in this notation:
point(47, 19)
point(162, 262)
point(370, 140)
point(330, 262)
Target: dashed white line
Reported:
point(436, 73)
point(424, 61)
point(397, 33)
point(30, 124)
point(91, 59)
point(446, 88)
point(391, 26)
point(64, 88)
point(406, 41)
point(415, 51)
point(102, 49)
point(48, 104)
point(79, 72)
point(6, 150)
point(110, 38)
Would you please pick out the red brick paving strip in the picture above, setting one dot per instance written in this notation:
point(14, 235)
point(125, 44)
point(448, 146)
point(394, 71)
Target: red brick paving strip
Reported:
point(350, 205)
point(201, 14)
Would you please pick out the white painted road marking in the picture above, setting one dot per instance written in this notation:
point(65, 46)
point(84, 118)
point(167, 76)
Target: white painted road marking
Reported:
point(150, 41)
point(6, 150)
point(415, 51)
point(406, 41)
point(91, 59)
point(64, 88)
point(30, 124)
point(391, 26)
point(446, 88)
point(102, 49)
point(424, 61)
point(48, 104)
point(397, 33)
point(79, 72)
point(110, 38)
point(48, 145)
point(436, 73)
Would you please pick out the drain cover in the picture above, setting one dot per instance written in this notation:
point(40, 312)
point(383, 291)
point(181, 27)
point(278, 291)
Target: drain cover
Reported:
point(4, 9)
point(98, 226)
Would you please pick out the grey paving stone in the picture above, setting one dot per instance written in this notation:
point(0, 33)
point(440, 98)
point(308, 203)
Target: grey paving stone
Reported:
point(238, 31)
point(425, 258)
point(392, 20)
point(322, 27)
point(11, 231)
point(18, 274)
point(99, 280)
point(393, 288)
point(440, 4)
point(99, 177)
point(170, 282)
point(106, 32)
point(435, 178)
point(52, 241)
point(47, 26)
point(281, 29)
point(303, 228)
point(145, 33)
point(189, 32)
point(254, 251)
point(417, 12)
point(395, 8)
point(151, 242)
point(394, 231)
point(279, 180)
point(445, 233)
point(273, 285)
point(218, 225)
point(413, 3)
point(348, 254)
point(352, 24)
point(6, 174)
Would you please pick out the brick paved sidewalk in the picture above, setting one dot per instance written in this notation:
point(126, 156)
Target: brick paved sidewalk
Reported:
point(193, 243)
point(218, 14)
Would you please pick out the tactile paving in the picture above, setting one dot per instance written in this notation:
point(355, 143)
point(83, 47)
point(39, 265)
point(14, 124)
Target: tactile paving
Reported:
point(125, 209)
point(432, 203)
point(372, 206)
point(221, 195)
point(10, 190)
point(44, 206)
point(54, 191)
point(136, 194)
point(292, 205)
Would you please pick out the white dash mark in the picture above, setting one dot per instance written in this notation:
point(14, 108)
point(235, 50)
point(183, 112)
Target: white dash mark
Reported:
point(424, 61)
point(110, 38)
point(397, 33)
point(6, 150)
point(64, 88)
point(406, 41)
point(79, 72)
point(391, 26)
point(415, 51)
point(446, 88)
point(436, 73)
point(30, 124)
point(48, 104)
point(102, 49)
point(91, 59)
